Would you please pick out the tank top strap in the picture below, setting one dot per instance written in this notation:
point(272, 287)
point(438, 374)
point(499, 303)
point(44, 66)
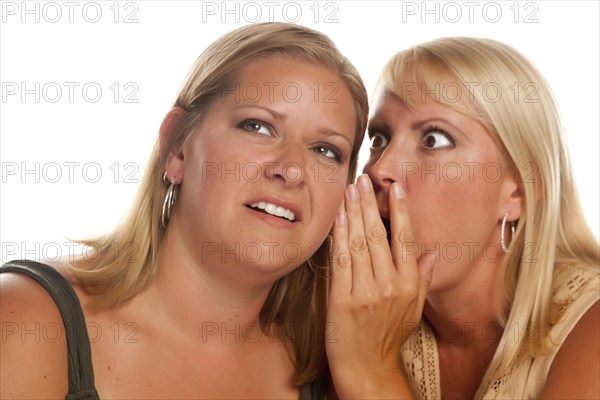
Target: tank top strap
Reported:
point(80, 369)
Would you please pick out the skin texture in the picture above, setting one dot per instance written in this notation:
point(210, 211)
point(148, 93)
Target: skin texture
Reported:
point(428, 178)
point(194, 331)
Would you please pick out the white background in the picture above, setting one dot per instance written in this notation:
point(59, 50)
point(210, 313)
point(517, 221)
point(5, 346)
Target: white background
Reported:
point(67, 143)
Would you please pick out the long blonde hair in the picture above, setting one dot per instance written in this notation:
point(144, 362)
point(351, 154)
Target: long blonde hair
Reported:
point(125, 260)
point(499, 87)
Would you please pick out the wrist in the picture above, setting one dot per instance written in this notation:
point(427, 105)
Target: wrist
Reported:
point(383, 384)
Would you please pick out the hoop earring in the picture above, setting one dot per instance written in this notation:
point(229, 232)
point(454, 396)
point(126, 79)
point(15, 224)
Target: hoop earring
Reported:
point(169, 202)
point(512, 233)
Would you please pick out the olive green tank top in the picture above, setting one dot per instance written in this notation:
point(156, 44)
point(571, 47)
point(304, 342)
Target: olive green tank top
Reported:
point(80, 369)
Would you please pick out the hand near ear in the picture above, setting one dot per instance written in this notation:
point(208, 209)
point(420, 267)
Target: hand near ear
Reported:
point(377, 294)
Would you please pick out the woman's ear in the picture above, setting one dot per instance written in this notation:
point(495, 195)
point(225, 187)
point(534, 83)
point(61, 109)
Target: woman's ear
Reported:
point(174, 162)
point(512, 199)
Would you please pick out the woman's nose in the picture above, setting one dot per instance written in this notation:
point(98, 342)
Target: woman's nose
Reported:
point(288, 167)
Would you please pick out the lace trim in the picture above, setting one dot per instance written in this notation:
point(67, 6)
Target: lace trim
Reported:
point(575, 280)
point(572, 284)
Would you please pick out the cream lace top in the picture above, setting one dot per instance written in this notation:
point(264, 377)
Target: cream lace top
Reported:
point(575, 290)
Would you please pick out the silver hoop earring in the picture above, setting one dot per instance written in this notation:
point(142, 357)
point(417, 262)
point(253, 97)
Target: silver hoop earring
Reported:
point(512, 233)
point(169, 202)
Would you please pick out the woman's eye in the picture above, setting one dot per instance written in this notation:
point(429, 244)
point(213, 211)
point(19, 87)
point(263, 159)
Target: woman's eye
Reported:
point(257, 127)
point(378, 140)
point(437, 139)
point(328, 152)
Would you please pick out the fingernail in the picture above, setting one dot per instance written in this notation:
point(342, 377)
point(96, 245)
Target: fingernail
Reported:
point(365, 183)
point(353, 192)
point(398, 191)
point(341, 218)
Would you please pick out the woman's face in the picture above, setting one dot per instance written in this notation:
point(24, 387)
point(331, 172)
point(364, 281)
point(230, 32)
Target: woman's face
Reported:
point(264, 174)
point(458, 185)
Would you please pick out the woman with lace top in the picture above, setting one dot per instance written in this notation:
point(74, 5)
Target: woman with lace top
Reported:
point(466, 140)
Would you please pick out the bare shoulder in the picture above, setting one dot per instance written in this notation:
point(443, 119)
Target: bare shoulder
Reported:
point(575, 371)
point(33, 351)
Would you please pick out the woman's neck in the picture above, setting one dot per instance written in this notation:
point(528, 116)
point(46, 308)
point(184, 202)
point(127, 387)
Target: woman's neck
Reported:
point(211, 302)
point(468, 315)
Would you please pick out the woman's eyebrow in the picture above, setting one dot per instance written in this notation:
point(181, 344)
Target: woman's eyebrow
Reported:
point(378, 122)
point(275, 114)
point(333, 132)
point(421, 123)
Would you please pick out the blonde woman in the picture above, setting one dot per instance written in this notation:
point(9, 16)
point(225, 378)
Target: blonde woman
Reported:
point(208, 289)
point(469, 166)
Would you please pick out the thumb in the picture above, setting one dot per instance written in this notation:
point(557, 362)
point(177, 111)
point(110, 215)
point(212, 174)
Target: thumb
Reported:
point(425, 267)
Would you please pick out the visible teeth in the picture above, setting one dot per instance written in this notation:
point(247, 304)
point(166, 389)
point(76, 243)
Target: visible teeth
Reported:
point(272, 209)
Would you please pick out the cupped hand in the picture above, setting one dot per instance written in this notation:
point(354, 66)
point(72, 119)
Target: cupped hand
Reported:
point(378, 289)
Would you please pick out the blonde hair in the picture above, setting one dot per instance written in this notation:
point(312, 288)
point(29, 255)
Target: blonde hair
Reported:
point(499, 87)
point(126, 258)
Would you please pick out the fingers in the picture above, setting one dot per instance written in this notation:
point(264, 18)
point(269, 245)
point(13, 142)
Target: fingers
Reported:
point(363, 242)
point(375, 232)
point(341, 265)
point(362, 272)
point(362, 255)
point(404, 248)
